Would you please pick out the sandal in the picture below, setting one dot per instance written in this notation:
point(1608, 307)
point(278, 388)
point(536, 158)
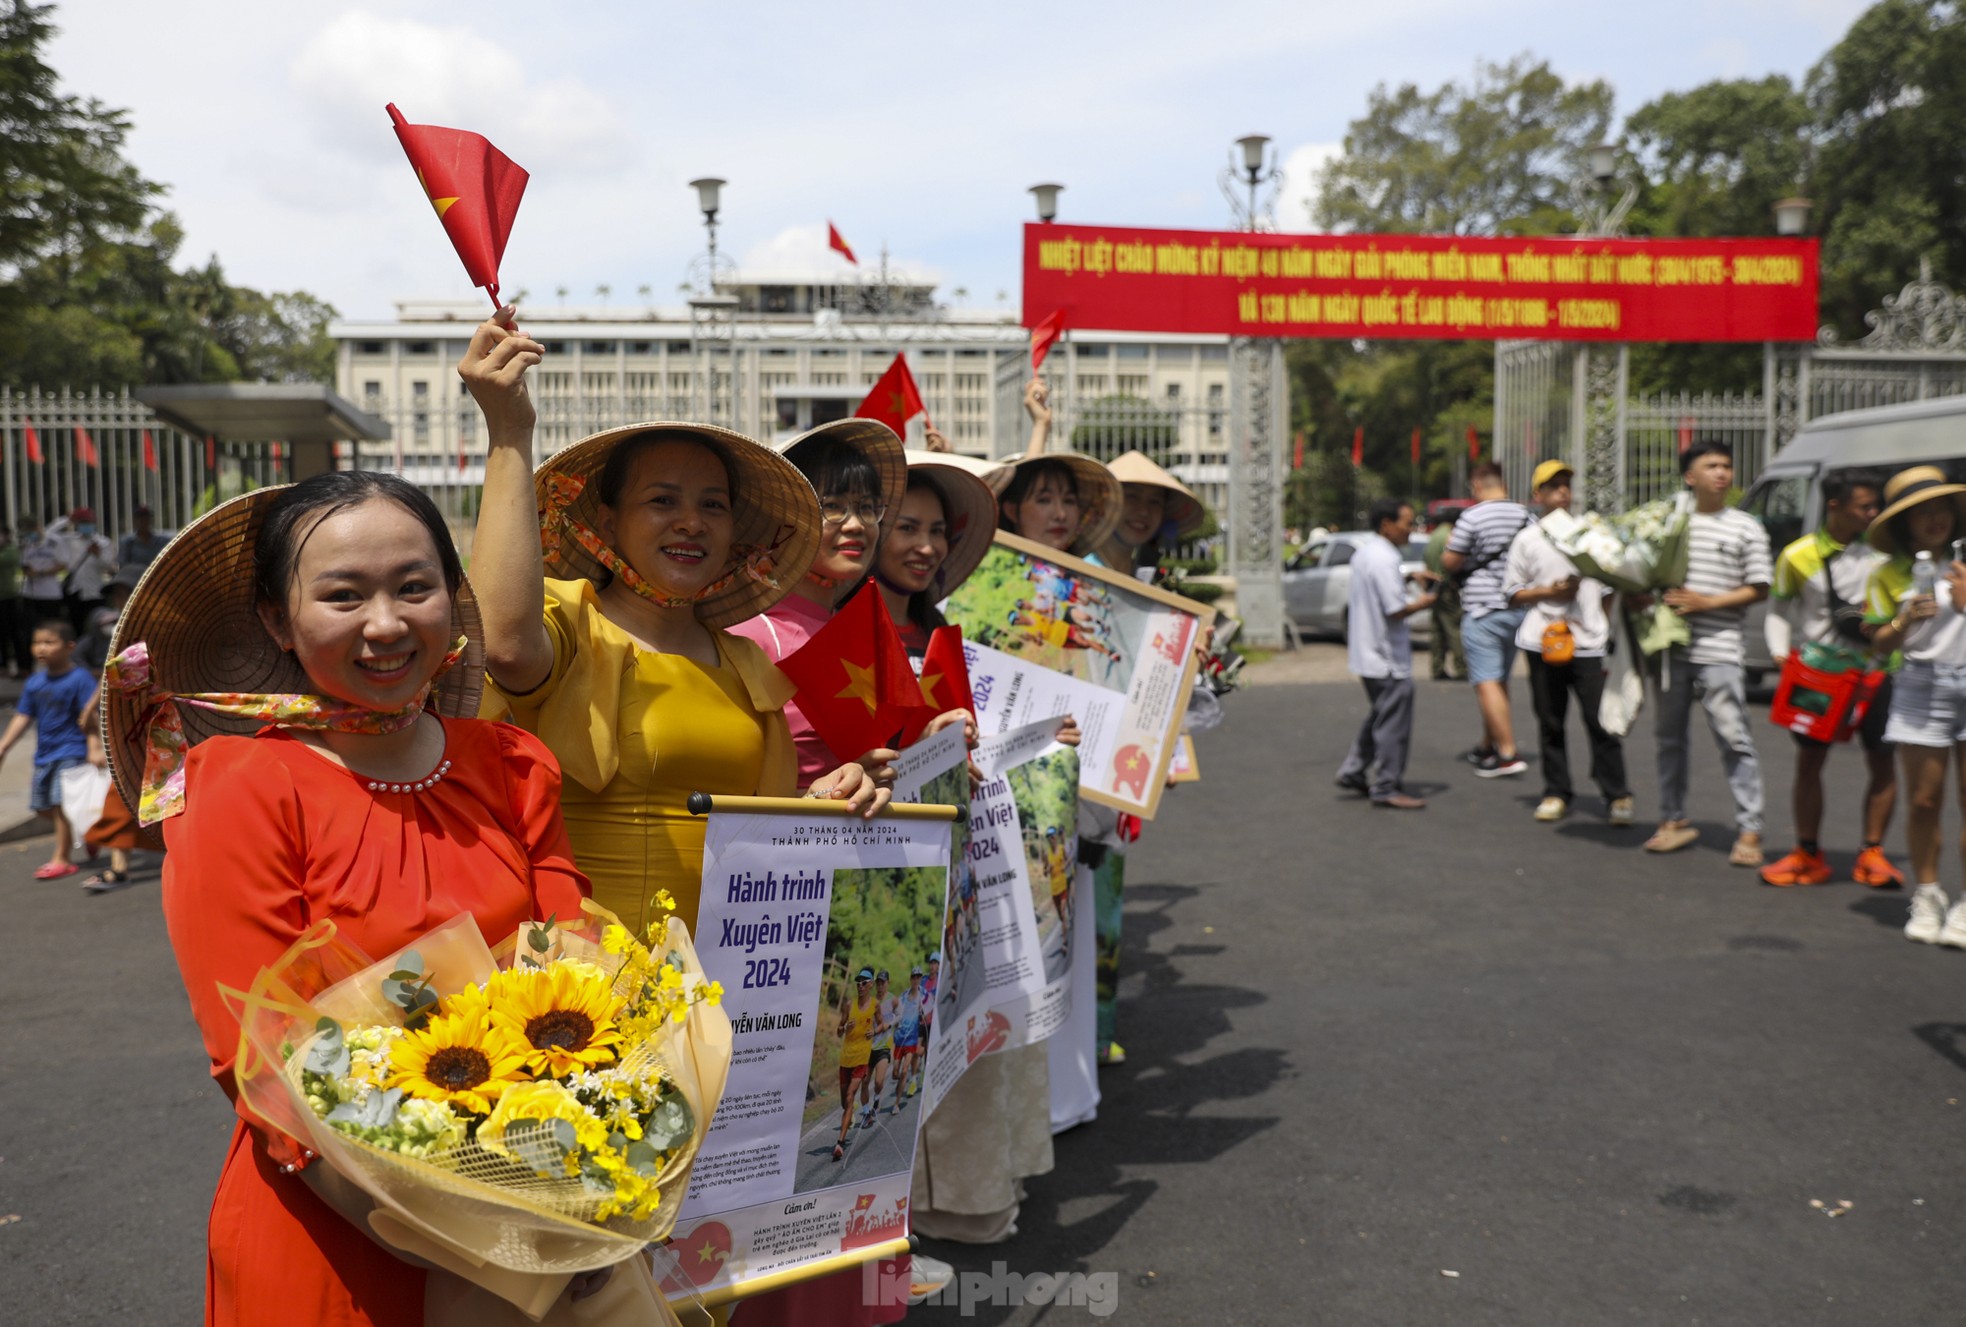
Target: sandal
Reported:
point(1672, 837)
point(55, 870)
point(104, 881)
point(1747, 851)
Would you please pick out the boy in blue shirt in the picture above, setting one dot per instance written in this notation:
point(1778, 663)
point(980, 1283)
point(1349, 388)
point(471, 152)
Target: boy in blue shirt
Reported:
point(53, 701)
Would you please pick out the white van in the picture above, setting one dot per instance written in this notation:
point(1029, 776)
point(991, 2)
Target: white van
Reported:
point(1787, 497)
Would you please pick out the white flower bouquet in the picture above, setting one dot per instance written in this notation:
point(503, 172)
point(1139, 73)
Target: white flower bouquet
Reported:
point(1640, 551)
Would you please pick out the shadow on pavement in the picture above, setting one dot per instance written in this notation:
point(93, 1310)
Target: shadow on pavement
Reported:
point(1163, 1106)
point(1948, 1039)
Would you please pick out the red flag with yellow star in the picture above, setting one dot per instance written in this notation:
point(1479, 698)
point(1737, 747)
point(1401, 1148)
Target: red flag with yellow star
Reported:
point(945, 672)
point(474, 187)
point(837, 243)
point(854, 684)
point(894, 399)
point(1044, 336)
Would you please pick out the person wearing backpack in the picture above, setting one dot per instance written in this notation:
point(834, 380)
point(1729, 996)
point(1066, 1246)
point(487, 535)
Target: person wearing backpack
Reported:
point(1564, 635)
point(1475, 557)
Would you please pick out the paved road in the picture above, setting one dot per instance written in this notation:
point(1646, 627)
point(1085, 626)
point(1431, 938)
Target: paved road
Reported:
point(1366, 1048)
point(877, 1149)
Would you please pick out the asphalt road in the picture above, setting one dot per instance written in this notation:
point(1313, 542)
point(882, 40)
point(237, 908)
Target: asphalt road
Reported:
point(1366, 1048)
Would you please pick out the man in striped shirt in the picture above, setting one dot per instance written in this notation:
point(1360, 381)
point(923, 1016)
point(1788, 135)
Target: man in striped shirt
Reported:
point(1727, 570)
point(1477, 555)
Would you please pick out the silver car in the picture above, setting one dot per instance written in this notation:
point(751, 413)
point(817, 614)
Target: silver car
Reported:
point(1317, 583)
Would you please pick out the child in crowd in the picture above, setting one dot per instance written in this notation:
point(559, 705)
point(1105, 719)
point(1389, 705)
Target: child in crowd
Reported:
point(53, 701)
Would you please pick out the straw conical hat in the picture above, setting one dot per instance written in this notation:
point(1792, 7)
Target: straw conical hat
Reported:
point(194, 608)
point(771, 503)
point(872, 439)
point(972, 512)
point(1099, 493)
point(1183, 507)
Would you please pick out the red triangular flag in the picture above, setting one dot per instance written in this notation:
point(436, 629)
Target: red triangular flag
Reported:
point(1297, 451)
point(279, 452)
point(894, 399)
point(149, 452)
point(945, 672)
point(85, 449)
point(854, 684)
point(1685, 432)
point(837, 243)
point(1416, 446)
point(1044, 336)
point(1358, 445)
point(1474, 446)
point(211, 452)
point(33, 440)
point(474, 187)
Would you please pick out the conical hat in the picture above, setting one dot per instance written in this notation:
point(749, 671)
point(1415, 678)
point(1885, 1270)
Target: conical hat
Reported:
point(771, 503)
point(972, 512)
point(872, 439)
point(1183, 507)
point(194, 609)
point(1099, 493)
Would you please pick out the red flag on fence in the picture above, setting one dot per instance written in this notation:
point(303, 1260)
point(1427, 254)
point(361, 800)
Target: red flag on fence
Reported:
point(1685, 433)
point(893, 400)
point(474, 187)
point(33, 441)
point(1474, 446)
point(854, 683)
point(837, 243)
point(1416, 446)
point(1358, 445)
point(211, 452)
point(149, 452)
point(1044, 336)
point(279, 452)
point(85, 449)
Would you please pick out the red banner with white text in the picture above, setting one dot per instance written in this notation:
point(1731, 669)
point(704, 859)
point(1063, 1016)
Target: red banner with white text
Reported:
point(1119, 279)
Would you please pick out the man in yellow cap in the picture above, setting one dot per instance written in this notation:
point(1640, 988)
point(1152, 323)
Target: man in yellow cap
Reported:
point(1564, 635)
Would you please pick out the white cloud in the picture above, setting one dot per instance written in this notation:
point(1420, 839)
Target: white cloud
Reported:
point(803, 250)
point(357, 63)
point(1303, 170)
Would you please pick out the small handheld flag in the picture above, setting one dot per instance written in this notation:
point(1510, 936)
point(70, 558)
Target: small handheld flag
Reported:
point(474, 187)
point(854, 684)
point(945, 675)
point(894, 399)
point(1044, 336)
point(837, 243)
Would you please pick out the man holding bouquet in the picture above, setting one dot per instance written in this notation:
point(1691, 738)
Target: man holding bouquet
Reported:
point(1728, 569)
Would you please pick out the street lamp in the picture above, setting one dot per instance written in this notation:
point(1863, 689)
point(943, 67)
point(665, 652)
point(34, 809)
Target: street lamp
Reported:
point(1257, 167)
point(1792, 216)
point(708, 190)
point(1601, 172)
point(1047, 196)
point(1604, 162)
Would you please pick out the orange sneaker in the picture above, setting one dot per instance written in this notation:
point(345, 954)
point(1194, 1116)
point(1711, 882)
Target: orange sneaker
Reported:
point(1798, 868)
point(1874, 869)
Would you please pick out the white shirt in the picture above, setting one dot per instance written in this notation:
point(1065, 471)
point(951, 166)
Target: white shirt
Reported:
point(1379, 645)
point(1534, 563)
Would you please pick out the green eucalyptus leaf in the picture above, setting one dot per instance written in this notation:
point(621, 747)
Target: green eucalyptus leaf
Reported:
point(668, 1125)
point(329, 1053)
point(644, 1157)
point(564, 1134)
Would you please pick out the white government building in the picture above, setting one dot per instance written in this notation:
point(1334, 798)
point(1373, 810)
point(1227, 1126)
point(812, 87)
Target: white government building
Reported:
point(770, 354)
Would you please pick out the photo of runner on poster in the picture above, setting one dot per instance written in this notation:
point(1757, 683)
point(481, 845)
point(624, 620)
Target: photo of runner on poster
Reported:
point(1047, 634)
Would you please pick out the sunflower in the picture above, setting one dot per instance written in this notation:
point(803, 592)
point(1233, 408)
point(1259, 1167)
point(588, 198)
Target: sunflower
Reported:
point(463, 1060)
point(564, 1015)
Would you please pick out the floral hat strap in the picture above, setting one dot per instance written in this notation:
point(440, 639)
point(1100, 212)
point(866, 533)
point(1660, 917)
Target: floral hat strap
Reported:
point(165, 746)
point(756, 562)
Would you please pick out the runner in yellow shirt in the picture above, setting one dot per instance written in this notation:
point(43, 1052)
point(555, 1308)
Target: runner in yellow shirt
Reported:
point(856, 1033)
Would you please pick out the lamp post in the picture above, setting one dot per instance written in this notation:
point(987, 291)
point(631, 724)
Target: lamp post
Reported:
point(1258, 415)
point(1602, 372)
point(709, 191)
point(1047, 196)
point(1792, 216)
point(712, 317)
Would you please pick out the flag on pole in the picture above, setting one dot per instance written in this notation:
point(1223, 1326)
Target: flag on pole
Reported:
point(1358, 445)
point(33, 441)
point(837, 243)
point(945, 672)
point(85, 449)
point(1044, 336)
point(474, 187)
point(211, 452)
point(854, 683)
point(1685, 432)
point(149, 452)
point(1474, 446)
point(1416, 446)
point(1297, 451)
point(893, 400)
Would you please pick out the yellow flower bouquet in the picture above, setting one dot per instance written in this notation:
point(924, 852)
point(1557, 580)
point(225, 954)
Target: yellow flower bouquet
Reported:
point(515, 1117)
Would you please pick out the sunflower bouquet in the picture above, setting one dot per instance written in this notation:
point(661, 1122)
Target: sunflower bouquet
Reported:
point(534, 1109)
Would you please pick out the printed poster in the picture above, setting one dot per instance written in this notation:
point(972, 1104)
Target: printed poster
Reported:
point(1046, 634)
point(810, 1154)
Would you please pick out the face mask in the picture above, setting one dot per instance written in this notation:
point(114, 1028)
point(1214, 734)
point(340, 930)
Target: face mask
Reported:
point(86, 527)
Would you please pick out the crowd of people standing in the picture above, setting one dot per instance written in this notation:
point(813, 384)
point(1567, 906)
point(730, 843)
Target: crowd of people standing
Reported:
point(1879, 587)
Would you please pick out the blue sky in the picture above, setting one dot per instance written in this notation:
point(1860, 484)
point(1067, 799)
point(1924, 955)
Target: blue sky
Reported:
point(915, 126)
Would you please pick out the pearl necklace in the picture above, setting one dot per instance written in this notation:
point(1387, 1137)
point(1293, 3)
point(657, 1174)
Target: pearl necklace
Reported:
point(436, 777)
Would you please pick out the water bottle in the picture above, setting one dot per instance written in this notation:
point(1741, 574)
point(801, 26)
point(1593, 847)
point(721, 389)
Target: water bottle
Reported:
point(1924, 574)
